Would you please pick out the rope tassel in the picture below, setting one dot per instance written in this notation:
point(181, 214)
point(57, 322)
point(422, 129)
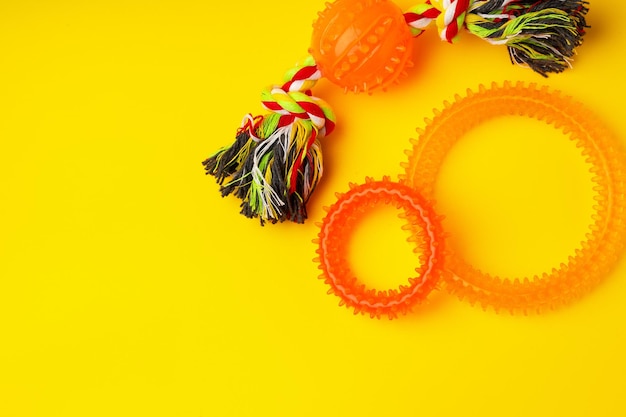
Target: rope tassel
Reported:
point(541, 35)
point(275, 162)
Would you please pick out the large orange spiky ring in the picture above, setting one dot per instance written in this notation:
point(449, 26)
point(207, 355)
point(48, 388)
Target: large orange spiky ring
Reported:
point(585, 268)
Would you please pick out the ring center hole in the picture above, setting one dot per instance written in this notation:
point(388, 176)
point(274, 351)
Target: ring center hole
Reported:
point(517, 196)
point(378, 252)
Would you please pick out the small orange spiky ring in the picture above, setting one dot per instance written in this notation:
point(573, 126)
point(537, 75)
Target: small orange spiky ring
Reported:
point(584, 270)
point(332, 248)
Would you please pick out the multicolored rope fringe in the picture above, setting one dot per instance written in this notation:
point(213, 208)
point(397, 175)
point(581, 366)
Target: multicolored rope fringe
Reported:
point(539, 34)
point(275, 162)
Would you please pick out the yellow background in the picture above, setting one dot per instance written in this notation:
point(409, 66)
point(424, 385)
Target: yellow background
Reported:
point(129, 287)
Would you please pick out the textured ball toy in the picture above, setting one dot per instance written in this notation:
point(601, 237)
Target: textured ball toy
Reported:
point(275, 162)
point(362, 45)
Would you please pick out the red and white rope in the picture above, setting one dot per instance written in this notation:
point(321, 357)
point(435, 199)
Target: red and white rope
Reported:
point(449, 16)
point(293, 100)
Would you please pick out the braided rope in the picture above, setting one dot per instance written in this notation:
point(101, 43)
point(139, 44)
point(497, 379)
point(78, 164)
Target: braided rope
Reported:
point(449, 16)
point(293, 100)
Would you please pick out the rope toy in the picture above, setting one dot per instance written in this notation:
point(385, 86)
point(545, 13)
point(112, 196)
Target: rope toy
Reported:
point(275, 162)
point(585, 268)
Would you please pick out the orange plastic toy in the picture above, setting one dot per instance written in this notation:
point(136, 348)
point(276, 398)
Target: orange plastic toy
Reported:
point(341, 219)
point(362, 45)
point(607, 234)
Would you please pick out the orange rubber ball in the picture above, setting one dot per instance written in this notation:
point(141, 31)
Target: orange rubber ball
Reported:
point(362, 44)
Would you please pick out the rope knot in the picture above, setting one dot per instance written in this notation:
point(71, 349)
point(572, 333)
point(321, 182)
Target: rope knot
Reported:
point(294, 100)
point(449, 16)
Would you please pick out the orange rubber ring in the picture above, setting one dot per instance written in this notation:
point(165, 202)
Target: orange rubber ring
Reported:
point(606, 239)
point(332, 241)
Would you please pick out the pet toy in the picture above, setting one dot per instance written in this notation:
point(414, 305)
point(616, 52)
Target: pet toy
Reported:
point(275, 162)
point(600, 148)
point(584, 269)
point(341, 218)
